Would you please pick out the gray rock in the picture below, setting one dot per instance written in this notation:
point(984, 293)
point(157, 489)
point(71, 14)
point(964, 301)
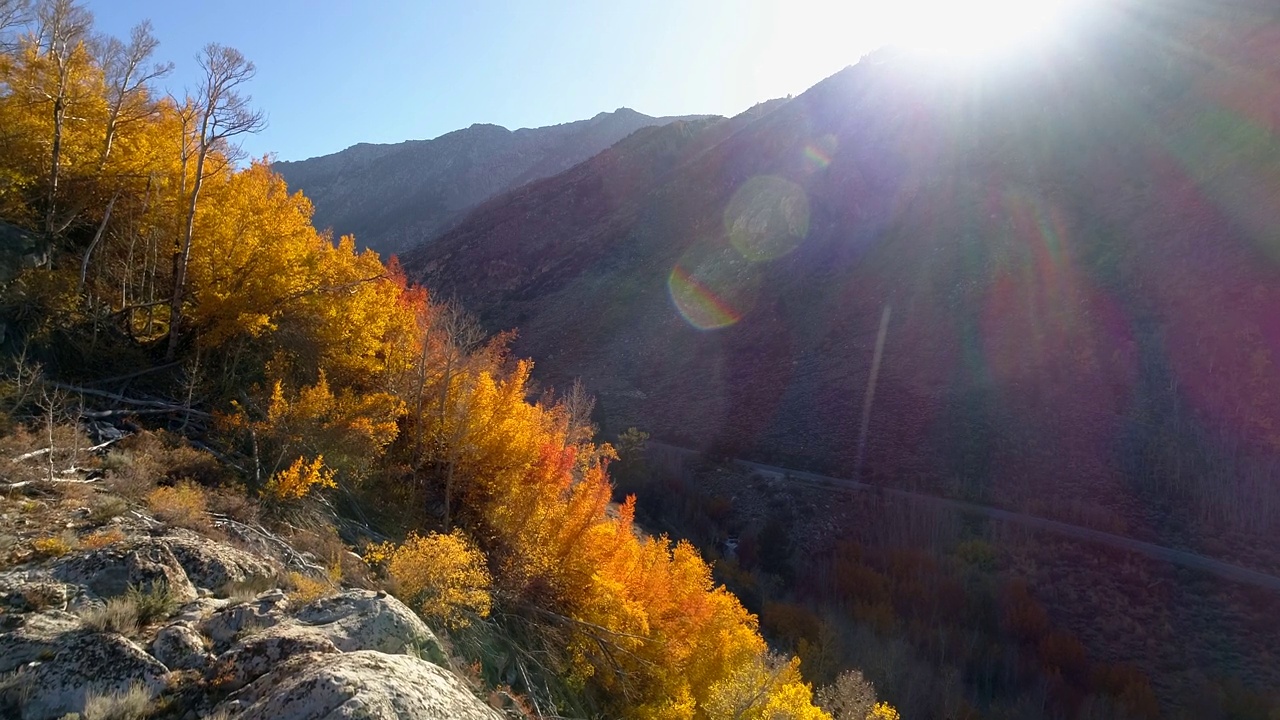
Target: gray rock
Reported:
point(366, 685)
point(194, 612)
point(38, 636)
point(180, 647)
point(368, 620)
point(34, 590)
point(262, 612)
point(110, 571)
point(85, 663)
point(211, 565)
point(260, 652)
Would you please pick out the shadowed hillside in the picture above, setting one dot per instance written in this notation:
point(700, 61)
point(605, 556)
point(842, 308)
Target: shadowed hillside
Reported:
point(1073, 258)
point(395, 196)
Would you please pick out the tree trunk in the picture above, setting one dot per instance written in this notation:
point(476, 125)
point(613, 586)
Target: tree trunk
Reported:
point(182, 256)
point(97, 237)
point(110, 138)
point(55, 170)
point(448, 498)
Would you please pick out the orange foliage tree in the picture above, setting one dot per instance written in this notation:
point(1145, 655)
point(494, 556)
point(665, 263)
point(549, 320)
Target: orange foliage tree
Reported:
point(325, 367)
point(639, 618)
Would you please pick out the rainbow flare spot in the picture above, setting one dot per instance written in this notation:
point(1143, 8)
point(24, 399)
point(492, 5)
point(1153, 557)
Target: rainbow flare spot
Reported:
point(699, 304)
point(817, 154)
point(816, 158)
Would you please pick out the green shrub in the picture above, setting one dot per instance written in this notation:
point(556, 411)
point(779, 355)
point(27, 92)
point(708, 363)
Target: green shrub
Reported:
point(136, 608)
point(107, 508)
point(155, 603)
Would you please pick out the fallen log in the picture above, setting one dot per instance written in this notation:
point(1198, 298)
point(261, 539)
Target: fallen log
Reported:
point(138, 402)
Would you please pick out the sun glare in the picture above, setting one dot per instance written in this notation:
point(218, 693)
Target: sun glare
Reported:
point(974, 27)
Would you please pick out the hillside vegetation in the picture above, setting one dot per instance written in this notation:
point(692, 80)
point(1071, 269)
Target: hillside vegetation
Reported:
point(155, 280)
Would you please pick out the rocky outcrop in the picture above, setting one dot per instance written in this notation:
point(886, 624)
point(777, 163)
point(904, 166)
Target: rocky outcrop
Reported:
point(110, 571)
point(34, 637)
point(34, 590)
point(87, 663)
point(180, 647)
point(358, 653)
point(196, 611)
point(368, 620)
point(225, 624)
point(364, 684)
point(212, 565)
point(257, 654)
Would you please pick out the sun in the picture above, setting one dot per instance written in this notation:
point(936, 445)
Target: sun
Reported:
point(971, 27)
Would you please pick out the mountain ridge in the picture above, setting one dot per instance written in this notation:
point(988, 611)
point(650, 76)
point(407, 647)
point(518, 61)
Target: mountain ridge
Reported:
point(391, 196)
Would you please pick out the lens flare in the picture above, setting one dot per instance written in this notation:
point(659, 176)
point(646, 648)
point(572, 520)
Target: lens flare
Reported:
point(817, 154)
point(767, 218)
point(712, 288)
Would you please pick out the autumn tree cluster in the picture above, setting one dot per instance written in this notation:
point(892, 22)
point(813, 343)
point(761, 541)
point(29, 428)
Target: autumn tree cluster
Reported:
point(151, 263)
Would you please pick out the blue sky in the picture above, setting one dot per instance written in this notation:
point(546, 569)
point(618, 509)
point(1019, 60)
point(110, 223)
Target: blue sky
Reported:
point(331, 73)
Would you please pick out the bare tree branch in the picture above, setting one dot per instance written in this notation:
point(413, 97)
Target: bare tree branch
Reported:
point(13, 14)
point(62, 27)
point(221, 112)
point(128, 81)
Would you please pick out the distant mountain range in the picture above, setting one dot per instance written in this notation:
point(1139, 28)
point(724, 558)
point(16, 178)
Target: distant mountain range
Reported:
point(1073, 259)
point(394, 196)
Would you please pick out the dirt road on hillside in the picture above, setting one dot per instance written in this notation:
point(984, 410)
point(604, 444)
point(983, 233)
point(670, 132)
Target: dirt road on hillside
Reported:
point(1158, 552)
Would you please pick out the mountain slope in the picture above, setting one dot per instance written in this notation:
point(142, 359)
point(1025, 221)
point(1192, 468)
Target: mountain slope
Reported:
point(1073, 258)
point(393, 196)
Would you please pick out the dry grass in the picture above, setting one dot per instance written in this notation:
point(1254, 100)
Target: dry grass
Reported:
point(131, 474)
point(324, 544)
point(69, 446)
point(156, 603)
point(54, 545)
point(250, 588)
point(138, 463)
point(102, 538)
point(131, 704)
point(135, 609)
point(118, 615)
point(306, 589)
point(183, 504)
point(41, 596)
point(15, 692)
point(234, 502)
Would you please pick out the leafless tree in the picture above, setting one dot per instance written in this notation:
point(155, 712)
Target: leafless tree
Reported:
point(61, 28)
point(850, 697)
point(128, 75)
point(128, 80)
point(578, 405)
point(220, 112)
point(13, 14)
